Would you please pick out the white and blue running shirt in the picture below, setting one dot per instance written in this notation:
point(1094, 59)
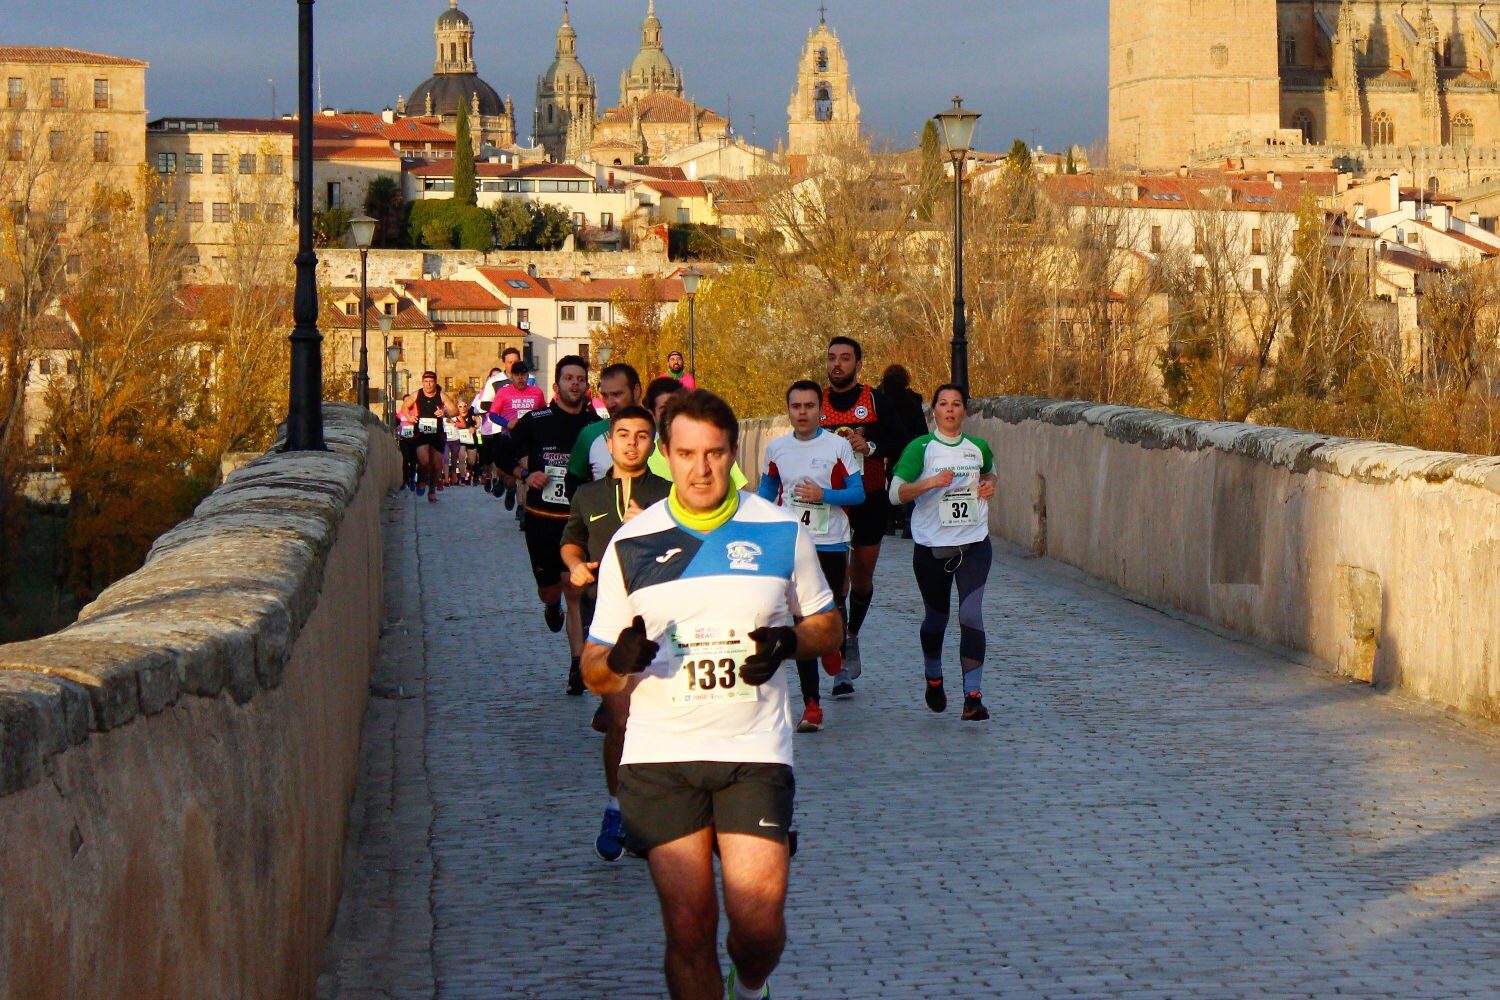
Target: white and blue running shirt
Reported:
point(758, 568)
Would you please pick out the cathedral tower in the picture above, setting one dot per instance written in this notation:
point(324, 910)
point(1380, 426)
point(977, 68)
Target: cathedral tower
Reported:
point(823, 113)
point(1187, 74)
point(455, 81)
point(651, 72)
point(567, 100)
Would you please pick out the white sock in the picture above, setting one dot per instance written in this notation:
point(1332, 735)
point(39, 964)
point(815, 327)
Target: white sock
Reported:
point(614, 803)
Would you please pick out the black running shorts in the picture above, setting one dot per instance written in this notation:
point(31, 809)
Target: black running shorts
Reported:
point(869, 521)
point(437, 442)
point(544, 545)
point(661, 803)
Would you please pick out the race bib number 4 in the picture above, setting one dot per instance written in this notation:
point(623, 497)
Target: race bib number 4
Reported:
point(812, 516)
point(960, 508)
point(427, 425)
point(556, 490)
point(709, 659)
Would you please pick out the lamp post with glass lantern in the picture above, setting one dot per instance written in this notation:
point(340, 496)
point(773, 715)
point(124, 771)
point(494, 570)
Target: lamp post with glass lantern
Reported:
point(690, 281)
point(392, 355)
point(363, 228)
point(304, 417)
point(957, 127)
point(386, 322)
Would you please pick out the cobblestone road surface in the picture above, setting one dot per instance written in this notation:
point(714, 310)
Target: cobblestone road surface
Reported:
point(1154, 811)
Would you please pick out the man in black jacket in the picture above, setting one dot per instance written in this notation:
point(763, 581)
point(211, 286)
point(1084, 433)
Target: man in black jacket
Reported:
point(599, 508)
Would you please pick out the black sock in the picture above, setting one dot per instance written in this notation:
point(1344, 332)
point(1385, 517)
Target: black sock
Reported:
point(859, 606)
point(573, 663)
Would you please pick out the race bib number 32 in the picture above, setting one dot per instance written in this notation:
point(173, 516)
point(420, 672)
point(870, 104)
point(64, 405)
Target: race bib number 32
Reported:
point(960, 508)
point(709, 659)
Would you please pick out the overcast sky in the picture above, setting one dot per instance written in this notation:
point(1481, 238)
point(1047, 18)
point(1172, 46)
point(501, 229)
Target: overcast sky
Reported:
point(1025, 65)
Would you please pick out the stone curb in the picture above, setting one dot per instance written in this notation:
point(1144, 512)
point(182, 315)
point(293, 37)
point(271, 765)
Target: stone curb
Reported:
point(216, 608)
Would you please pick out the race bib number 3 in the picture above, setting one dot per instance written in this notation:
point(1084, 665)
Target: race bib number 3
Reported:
point(709, 659)
point(556, 490)
point(812, 516)
point(960, 508)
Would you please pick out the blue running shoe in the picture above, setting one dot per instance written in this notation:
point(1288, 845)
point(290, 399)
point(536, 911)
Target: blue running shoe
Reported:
point(611, 832)
point(421, 488)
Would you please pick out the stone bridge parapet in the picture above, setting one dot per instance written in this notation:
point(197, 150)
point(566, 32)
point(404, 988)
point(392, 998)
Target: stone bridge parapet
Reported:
point(176, 767)
point(1380, 560)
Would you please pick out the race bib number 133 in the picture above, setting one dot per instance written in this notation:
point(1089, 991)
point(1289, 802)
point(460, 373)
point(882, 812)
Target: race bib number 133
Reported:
point(709, 658)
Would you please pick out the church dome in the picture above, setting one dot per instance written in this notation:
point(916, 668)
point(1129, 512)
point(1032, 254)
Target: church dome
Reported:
point(566, 68)
point(649, 62)
point(449, 90)
point(453, 17)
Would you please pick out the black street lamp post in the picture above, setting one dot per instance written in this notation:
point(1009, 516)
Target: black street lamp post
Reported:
point(691, 278)
point(388, 410)
point(957, 126)
point(304, 418)
point(392, 355)
point(363, 228)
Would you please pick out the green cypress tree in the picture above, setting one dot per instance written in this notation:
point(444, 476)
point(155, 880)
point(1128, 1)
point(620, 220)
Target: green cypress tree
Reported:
point(930, 180)
point(465, 188)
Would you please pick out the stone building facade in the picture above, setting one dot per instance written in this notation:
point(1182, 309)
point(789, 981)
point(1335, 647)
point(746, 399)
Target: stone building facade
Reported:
point(1207, 77)
point(824, 112)
point(567, 100)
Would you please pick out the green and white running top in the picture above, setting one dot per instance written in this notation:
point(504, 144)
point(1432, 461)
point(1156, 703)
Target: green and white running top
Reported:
point(956, 515)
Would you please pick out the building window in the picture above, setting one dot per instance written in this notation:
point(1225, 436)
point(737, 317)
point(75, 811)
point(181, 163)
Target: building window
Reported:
point(1382, 129)
point(15, 92)
point(1302, 121)
point(44, 366)
point(15, 148)
point(273, 164)
point(606, 221)
point(192, 163)
point(166, 210)
point(56, 144)
point(448, 349)
point(1462, 131)
point(1258, 280)
point(568, 314)
point(822, 60)
point(823, 103)
point(351, 308)
point(195, 211)
point(583, 352)
point(166, 163)
point(57, 92)
point(247, 211)
point(270, 212)
point(579, 221)
point(60, 213)
point(221, 163)
point(523, 316)
point(247, 163)
point(1289, 52)
point(74, 265)
point(1200, 240)
point(596, 314)
point(1255, 241)
point(221, 211)
point(335, 194)
point(101, 93)
point(1156, 239)
point(684, 215)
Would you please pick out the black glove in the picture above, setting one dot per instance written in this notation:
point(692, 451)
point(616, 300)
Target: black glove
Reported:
point(633, 652)
point(772, 645)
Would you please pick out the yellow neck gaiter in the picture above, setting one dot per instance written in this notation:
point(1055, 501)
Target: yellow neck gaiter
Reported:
point(704, 522)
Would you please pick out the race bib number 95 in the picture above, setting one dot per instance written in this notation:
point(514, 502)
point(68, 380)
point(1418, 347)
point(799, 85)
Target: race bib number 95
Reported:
point(709, 659)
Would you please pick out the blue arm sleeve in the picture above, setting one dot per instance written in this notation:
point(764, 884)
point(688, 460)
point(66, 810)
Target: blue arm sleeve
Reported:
point(769, 488)
point(852, 495)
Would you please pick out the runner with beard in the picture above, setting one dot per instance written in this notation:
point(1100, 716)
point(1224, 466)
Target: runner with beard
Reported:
point(542, 441)
point(849, 411)
point(619, 387)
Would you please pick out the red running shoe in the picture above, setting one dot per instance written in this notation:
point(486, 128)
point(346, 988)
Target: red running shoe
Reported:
point(812, 718)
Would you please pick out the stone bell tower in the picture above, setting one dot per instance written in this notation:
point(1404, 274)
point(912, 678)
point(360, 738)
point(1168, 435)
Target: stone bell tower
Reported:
point(823, 112)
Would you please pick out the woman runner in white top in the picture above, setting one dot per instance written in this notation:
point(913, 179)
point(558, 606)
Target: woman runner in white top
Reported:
point(951, 477)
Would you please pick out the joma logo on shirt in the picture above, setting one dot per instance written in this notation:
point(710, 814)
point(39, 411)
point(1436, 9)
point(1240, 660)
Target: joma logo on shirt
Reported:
point(743, 555)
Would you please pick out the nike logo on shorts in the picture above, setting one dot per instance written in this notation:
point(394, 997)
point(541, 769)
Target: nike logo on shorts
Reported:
point(774, 826)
